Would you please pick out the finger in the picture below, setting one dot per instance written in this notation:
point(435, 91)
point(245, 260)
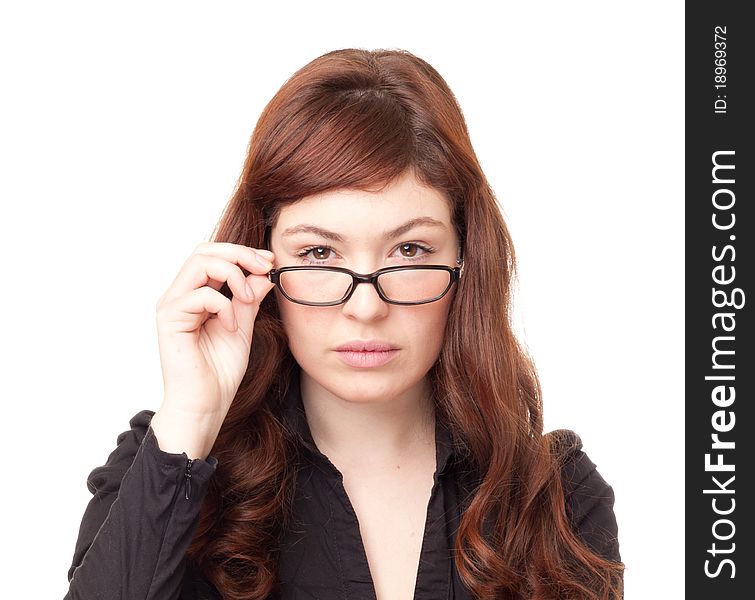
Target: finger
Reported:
point(205, 270)
point(236, 253)
point(246, 257)
point(188, 312)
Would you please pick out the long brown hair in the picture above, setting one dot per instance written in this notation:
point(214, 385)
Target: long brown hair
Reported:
point(359, 119)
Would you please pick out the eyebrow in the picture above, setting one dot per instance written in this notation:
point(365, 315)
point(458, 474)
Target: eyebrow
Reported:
point(336, 237)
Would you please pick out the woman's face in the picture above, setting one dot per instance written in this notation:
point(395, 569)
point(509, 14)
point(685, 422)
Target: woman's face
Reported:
point(363, 222)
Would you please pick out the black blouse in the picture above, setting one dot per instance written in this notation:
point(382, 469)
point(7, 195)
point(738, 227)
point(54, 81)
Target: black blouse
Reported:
point(136, 529)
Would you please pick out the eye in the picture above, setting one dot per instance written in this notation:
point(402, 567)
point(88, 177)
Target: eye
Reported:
point(319, 253)
point(409, 250)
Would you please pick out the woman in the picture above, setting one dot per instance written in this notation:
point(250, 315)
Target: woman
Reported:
point(339, 440)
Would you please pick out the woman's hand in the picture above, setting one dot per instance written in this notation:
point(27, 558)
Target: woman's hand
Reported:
point(205, 340)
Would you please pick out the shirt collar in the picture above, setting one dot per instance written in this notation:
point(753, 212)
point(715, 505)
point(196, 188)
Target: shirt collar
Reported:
point(295, 420)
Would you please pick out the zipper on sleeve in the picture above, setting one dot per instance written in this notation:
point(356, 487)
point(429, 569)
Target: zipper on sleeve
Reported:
point(187, 479)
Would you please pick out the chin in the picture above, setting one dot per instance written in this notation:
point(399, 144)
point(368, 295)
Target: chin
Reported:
point(361, 385)
point(366, 385)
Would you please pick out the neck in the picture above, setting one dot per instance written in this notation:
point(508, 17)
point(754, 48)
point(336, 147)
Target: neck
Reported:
point(368, 434)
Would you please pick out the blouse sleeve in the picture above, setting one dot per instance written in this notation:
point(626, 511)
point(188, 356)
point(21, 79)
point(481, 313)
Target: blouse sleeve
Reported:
point(139, 523)
point(589, 499)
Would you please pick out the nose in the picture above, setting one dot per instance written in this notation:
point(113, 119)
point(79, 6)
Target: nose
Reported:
point(365, 304)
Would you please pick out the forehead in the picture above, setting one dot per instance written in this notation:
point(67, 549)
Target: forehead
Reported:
point(403, 205)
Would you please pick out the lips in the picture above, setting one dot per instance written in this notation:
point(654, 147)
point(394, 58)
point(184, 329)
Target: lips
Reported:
point(367, 346)
point(367, 353)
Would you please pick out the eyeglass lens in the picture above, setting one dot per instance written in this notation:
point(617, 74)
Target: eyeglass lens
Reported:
point(414, 285)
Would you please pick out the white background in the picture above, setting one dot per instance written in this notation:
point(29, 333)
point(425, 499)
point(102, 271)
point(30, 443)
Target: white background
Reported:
point(124, 127)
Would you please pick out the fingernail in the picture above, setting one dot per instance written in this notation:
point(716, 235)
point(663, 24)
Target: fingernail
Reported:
point(249, 292)
point(266, 253)
point(263, 262)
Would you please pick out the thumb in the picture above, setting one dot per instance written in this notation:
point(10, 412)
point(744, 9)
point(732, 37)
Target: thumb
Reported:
point(246, 312)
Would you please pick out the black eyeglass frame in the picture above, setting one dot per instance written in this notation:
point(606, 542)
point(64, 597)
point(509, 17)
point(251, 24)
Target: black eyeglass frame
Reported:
point(456, 272)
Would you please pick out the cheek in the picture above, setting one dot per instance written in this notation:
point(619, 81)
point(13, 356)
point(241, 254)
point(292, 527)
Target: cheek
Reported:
point(428, 325)
point(301, 323)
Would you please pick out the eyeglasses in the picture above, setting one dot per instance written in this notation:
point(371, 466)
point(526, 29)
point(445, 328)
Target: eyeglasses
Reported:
point(331, 286)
